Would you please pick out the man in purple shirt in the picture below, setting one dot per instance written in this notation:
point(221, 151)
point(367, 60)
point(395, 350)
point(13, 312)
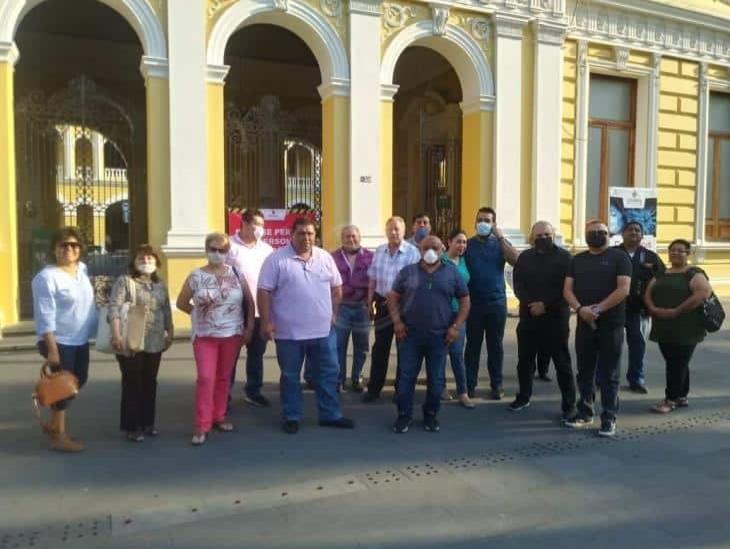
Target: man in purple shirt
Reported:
point(299, 292)
point(353, 263)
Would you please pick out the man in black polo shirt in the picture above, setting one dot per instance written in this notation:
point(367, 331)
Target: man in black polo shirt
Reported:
point(539, 277)
point(425, 324)
point(596, 288)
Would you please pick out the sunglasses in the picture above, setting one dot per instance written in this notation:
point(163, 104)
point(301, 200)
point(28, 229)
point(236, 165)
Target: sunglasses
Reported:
point(219, 250)
point(67, 245)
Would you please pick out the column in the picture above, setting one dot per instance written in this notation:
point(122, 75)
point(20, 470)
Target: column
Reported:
point(335, 161)
point(476, 159)
point(583, 78)
point(368, 190)
point(387, 98)
point(547, 122)
point(508, 124)
point(155, 72)
point(703, 118)
point(8, 213)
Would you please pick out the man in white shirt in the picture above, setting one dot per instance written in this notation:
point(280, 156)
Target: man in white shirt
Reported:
point(247, 254)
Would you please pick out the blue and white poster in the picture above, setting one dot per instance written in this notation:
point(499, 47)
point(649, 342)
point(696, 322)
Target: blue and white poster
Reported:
point(632, 204)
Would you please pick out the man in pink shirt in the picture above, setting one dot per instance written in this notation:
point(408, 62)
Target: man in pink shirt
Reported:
point(247, 254)
point(299, 292)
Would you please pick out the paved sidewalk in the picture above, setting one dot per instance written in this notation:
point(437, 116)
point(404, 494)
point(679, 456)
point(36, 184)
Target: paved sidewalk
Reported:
point(489, 478)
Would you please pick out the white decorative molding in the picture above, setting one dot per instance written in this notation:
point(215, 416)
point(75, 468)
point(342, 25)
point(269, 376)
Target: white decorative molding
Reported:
point(9, 53)
point(154, 67)
point(388, 91)
point(331, 8)
point(319, 35)
point(216, 74)
point(548, 32)
point(481, 104)
point(509, 26)
point(622, 57)
point(365, 7)
point(138, 13)
point(335, 87)
point(281, 5)
point(440, 15)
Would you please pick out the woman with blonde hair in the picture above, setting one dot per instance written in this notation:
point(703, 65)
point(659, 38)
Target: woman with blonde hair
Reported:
point(222, 310)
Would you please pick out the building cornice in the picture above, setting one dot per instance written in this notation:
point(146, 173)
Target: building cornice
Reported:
point(153, 67)
point(365, 7)
point(548, 32)
point(507, 25)
point(216, 74)
point(337, 87)
point(9, 53)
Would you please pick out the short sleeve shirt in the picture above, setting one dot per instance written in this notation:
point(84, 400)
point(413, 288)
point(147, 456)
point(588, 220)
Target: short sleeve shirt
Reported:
point(425, 298)
point(248, 260)
point(386, 266)
point(301, 298)
point(217, 304)
point(485, 260)
point(594, 278)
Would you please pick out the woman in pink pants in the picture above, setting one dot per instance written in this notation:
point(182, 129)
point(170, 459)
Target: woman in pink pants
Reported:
point(220, 301)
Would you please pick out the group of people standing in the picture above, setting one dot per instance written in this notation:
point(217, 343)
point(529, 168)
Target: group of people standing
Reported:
point(437, 301)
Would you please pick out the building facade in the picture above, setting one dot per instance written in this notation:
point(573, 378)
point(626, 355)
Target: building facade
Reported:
point(146, 120)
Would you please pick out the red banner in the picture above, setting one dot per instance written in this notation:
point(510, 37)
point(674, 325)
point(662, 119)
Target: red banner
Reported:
point(277, 224)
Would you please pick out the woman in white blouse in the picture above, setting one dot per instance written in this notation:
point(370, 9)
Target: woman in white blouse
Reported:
point(217, 297)
point(65, 319)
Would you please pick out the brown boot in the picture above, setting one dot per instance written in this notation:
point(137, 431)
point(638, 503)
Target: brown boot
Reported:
point(51, 428)
point(60, 441)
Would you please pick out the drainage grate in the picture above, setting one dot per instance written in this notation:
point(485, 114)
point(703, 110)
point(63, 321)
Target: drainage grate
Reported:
point(384, 477)
point(52, 536)
point(423, 471)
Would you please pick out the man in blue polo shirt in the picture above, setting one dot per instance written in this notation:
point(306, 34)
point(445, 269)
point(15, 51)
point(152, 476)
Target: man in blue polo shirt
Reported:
point(485, 256)
point(424, 322)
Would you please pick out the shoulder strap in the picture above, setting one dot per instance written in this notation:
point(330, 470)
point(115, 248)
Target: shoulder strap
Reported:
point(132, 290)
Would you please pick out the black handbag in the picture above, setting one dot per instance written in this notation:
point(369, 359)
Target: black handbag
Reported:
point(713, 315)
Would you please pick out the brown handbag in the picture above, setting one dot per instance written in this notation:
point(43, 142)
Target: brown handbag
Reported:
point(54, 386)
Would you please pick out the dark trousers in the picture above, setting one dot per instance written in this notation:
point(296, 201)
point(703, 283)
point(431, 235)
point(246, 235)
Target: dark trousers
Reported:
point(636, 326)
point(677, 359)
point(254, 362)
point(592, 346)
point(380, 354)
point(414, 349)
point(548, 335)
point(139, 390)
point(74, 359)
point(485, 322)
point(543, 362)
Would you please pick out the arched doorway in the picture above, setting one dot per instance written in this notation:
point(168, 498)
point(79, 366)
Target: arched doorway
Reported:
point(80, 128)
point(273, 121)
point(427, 131)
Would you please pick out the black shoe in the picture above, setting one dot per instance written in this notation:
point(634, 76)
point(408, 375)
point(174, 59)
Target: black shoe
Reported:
point(342, 423)
point(370, 397)
point(579, 421)
point(290, 426)
point(308, 386)
point(518, 405)
point(402, 424)
point(544, 377)
point(431, 424)
point(470, 393)
point(257, 400)
point(496, 393)
point(568, 416)
point(356, 387)
point(608, 428)
point(639, 388)
point(394, 398)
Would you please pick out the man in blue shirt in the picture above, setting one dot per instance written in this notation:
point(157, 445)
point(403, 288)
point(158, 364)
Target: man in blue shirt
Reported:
point(485, 257)
point(420, 305)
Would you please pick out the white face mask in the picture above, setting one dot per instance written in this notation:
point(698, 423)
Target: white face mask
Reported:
point(146, 268)
point(216, 258)
point(484, 228)
point(258, 232)
point(430, 257)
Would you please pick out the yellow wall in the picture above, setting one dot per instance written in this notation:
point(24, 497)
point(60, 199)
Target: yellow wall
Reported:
point(476, 164)
point(386, 160)
point(216, 159)
point(335, 168)
point(8, 221)
point(158, 163)
point(528, 76)
point(567, 172)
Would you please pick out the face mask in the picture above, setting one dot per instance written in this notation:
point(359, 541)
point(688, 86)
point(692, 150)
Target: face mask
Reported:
point(258, 233)
point(216, 258)
point(430, 257)
point(420, 234)
point(543, 243)
point(596, 239)
point(146, 268)
point(484, 228)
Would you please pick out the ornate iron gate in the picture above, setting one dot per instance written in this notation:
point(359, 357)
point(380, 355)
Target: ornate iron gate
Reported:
point(442, 185)
point(80, 161)
point(273, 157)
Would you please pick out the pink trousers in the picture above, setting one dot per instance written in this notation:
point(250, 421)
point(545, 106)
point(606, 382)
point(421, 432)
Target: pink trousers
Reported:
point(214, 358)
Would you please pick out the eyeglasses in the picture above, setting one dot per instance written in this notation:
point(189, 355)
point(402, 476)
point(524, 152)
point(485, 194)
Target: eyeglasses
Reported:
point(67, 245)
point(219, 250)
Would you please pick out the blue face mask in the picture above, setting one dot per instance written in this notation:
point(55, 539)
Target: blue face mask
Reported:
point(484, 228)
point(420, 234)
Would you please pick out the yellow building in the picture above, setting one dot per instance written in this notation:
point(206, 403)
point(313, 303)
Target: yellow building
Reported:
point(144, 120)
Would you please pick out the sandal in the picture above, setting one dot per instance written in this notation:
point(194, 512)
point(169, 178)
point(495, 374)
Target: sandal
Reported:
point(198, 439)
point(224, 426)
point(135, 436)
point(664, 407)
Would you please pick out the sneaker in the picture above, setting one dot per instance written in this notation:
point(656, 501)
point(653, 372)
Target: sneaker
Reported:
point(402, 424)
point(639, 388)
point(446, 395)
point(568, 417)
point(356, 387)
point(682, 402)
point(518, 405)
point(290, 427)
point(342, 423)
point(257, 400)
point(496, 393)
point(370, 397)
point(579, 421)
point(608, 428)
point(431, 424)
point(664, 407)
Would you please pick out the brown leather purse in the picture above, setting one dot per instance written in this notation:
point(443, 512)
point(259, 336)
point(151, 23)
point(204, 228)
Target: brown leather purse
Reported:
point(54, 386)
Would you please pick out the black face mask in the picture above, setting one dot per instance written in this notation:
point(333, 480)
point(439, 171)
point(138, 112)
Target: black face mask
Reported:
point(544, 243)
point(596, 239)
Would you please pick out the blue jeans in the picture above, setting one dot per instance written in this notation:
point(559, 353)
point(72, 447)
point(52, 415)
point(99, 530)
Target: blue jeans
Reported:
point(254, 362)
point(321, 355)
point(355, 320)
point(456, 357)
point(412, 351)
point(74, 359)
point(485, 321)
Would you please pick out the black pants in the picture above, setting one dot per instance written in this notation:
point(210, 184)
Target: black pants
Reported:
point(546, 335)
point(602, 345)
point(139, 390)
point(380, 355)
point(677, 359)
point(543, 362)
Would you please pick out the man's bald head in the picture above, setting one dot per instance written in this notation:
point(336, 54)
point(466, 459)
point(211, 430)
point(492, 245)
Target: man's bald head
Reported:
point(431, 242)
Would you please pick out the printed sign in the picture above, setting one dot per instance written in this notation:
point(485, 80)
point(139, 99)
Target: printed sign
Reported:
point(277, 224)
point(632, 204)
